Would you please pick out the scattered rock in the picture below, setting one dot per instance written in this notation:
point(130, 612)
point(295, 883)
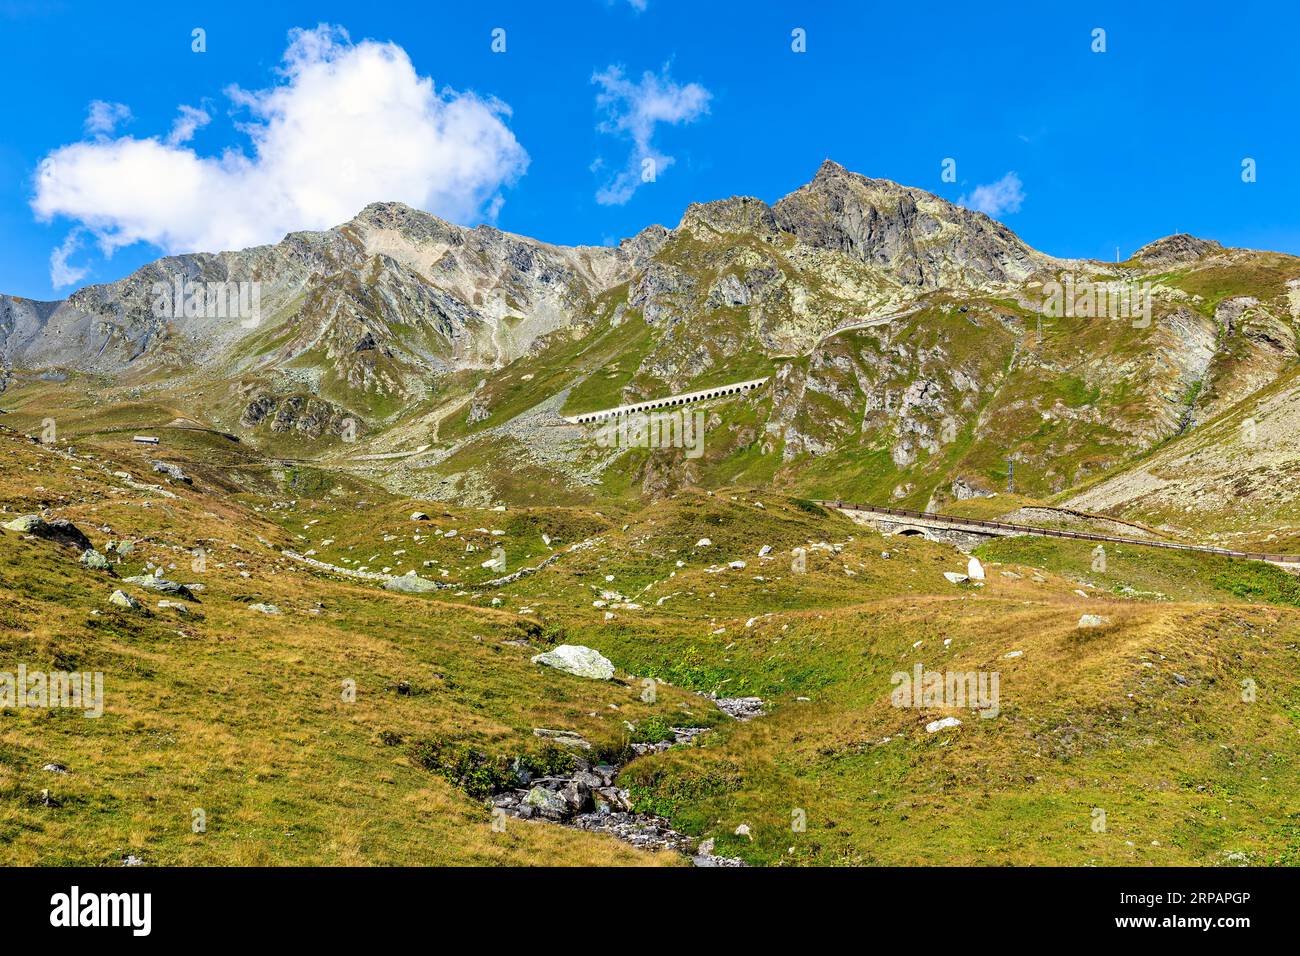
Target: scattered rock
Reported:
point(60, 531)
point(935, 726)
point(172, 471)
point(411, 584)
point(704, 857)
point(546, 802)
point(120, 549)
point(681, 737)
point(265, 608)
point(419, 516)
point(740, 708)
point(975, 570)
point(156, 582)
point(94, 560)
point(1093, 620)
point(954, 578)
point(566, 738)
point(123, 600)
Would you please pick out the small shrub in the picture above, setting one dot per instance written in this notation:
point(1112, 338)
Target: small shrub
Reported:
point(481, 774)
point(474, 771)
point(653, 730)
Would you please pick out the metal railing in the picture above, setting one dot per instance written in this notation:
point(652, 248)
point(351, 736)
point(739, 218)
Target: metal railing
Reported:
point(1054, 533)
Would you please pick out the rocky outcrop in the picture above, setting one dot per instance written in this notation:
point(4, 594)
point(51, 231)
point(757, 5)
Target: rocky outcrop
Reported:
point(299, 414)
point(918, 238)
point(156, 582)
point(411, 584)
point(1176, 249)
point(58, 530)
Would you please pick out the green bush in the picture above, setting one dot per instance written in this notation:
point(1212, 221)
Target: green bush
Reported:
point(477, 773)
point(653, 730)
point(481, 774)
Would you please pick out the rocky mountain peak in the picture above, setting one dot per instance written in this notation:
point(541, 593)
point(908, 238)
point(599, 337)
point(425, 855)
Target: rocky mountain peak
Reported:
point(915, 237)
point(1180, 247)
point(736, 214)
point(829, 169)
point(401, 219)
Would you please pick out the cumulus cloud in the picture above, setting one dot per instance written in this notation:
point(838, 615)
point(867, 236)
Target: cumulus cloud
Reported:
point(344, 125)
point(103, 118)
point(995, 199)
point(632, 110)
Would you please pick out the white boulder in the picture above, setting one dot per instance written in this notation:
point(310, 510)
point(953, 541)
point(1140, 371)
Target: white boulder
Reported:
point(578, 660)
point(935, 726)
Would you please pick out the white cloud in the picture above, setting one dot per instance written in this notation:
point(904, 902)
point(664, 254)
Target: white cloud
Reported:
point(995, 199)
point(102, 117)
point(61, 273)
point(185, 125)
point(345, 125)
point(633, 110)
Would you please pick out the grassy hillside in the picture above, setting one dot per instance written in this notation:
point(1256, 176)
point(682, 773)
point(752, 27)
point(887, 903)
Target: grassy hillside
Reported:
point(242, 714)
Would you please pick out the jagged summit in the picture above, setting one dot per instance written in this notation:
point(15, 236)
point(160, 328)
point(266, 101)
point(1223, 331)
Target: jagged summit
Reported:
point(829, 169)
point(1180, 247)
point(919, 238)
point(734, 214)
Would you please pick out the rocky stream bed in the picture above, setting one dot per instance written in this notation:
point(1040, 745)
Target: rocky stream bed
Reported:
point(589, 799)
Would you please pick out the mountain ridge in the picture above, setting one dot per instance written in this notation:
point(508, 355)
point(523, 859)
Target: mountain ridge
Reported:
point(910, 353)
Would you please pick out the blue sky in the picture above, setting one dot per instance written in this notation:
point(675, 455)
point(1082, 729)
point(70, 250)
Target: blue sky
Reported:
point(1108, 149)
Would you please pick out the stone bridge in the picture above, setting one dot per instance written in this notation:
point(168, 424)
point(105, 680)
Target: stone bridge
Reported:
point(670, 401)
point(952, 531)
